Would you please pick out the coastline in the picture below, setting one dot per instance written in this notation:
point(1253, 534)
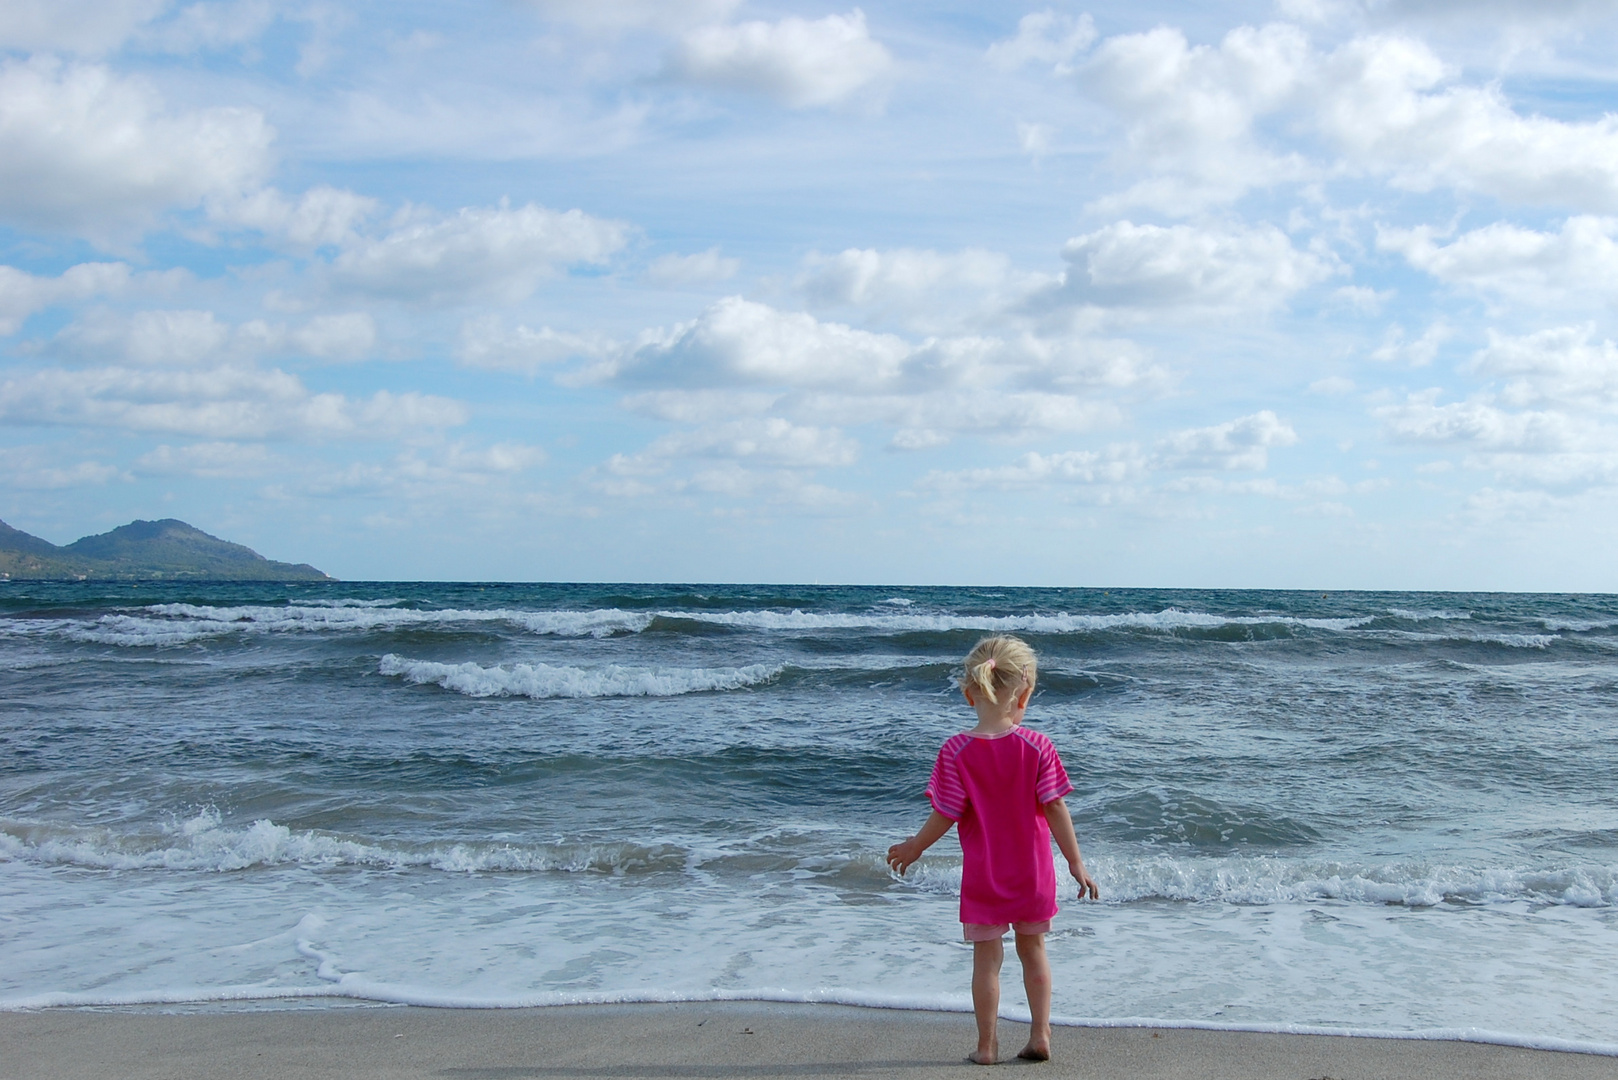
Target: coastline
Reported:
point(692, 1039)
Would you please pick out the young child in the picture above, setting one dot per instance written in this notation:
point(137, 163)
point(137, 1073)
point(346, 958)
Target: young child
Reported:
point(1002, 785)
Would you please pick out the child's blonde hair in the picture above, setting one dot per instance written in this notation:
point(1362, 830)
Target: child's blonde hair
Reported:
point(1000, 663)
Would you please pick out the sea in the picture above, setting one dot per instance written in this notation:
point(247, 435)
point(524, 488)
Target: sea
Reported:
point(1384, 813)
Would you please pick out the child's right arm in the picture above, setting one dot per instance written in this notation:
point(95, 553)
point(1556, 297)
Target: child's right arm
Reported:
point(901, 855)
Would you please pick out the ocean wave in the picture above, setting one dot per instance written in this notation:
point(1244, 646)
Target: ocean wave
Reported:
point(179, 624)
point(1510, 641)
point(347, 602)
point(203, 843)
point(1249, 881)
point(184, 623)
point(1578, 626)
point(560, 681)
point(1167, 620)
point(1426, 614)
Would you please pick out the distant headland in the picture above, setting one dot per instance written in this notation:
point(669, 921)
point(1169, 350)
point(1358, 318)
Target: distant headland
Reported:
point(167, 550)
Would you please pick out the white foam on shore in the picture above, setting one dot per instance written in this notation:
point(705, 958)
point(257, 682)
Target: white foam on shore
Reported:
point(1250, 881)
point(354, 987)
point(561, 681)
point(203, 843)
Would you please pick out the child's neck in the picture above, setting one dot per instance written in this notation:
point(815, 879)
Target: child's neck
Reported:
point(997, 723)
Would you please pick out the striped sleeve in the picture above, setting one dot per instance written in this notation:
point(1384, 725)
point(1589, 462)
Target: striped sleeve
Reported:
point(945, 790)
point(1053, 782)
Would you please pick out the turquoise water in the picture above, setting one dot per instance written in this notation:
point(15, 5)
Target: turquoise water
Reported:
point(1358, 810)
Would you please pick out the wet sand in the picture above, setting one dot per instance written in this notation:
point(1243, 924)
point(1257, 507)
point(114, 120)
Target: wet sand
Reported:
point(732, 1039)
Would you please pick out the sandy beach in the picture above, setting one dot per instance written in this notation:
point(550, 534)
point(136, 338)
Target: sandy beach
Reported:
point(696, 1040)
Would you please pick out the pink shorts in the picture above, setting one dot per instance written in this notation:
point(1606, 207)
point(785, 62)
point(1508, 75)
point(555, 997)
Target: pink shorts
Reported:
point(977, 931)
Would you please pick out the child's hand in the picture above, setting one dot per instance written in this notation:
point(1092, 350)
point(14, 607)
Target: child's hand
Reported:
point(902, 855)
point(1087, 884)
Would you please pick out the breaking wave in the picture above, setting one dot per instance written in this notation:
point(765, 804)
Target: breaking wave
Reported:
point(178, 624)
point(561, 681)
point(203, 843)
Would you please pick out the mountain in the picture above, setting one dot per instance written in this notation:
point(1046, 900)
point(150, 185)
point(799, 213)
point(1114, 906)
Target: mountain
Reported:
point(167, 550)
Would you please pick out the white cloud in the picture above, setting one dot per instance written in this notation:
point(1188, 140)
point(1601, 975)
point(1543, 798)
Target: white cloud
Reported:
point(1422, 420)
point(321, 216)
point(701, 406)
point(87, 27)
point(212, 26)
point(799, 62)
point(189, 338)
point(22, 293)
point(686, 271)
point(620, 15)
point(1384, 103)
point(178, 338)
point(926, 290)
point(769, 461)
point(1540, 447)
point(41, 468)
point(442, 474)
point(1189, 110)
point(736, 342)
point(1523, 265)
point(1332, 385)
point(1186, 269)
point(1361, 298)
point(769, 441)
point(210, 460)
point(830, 373)
point(1237, 445)
point(217, 403)
point(1244, 443)
point(1117, 464)
point(84, 150)
point(485, 342)
point(1560, 366)
point(928, 419)
point(479, 252)
point(1395, 348)
point(1044, 37)
point(1035, 139)
point(348, 336)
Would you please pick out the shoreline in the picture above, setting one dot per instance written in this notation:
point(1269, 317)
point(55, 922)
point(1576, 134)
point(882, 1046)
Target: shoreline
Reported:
point(250, 1000)
point(710, 1038)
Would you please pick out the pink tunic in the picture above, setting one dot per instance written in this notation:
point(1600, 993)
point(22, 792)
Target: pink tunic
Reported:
point(995, 788)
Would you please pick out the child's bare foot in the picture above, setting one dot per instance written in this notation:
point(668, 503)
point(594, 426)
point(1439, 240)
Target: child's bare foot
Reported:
point(1039, 1046)
point(989, 1055)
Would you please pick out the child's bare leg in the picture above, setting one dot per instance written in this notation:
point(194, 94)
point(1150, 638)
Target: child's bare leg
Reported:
point(1036, 979)
point(986, 960)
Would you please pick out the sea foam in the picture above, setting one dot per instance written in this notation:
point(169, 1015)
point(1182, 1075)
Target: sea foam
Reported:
point(204, 843)
point(184, 623)
point(562, 681)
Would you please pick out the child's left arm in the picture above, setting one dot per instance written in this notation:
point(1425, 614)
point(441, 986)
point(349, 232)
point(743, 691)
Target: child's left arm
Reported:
point(1066, 839)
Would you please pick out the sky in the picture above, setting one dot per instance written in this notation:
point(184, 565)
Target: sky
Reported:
point(1306, 294)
